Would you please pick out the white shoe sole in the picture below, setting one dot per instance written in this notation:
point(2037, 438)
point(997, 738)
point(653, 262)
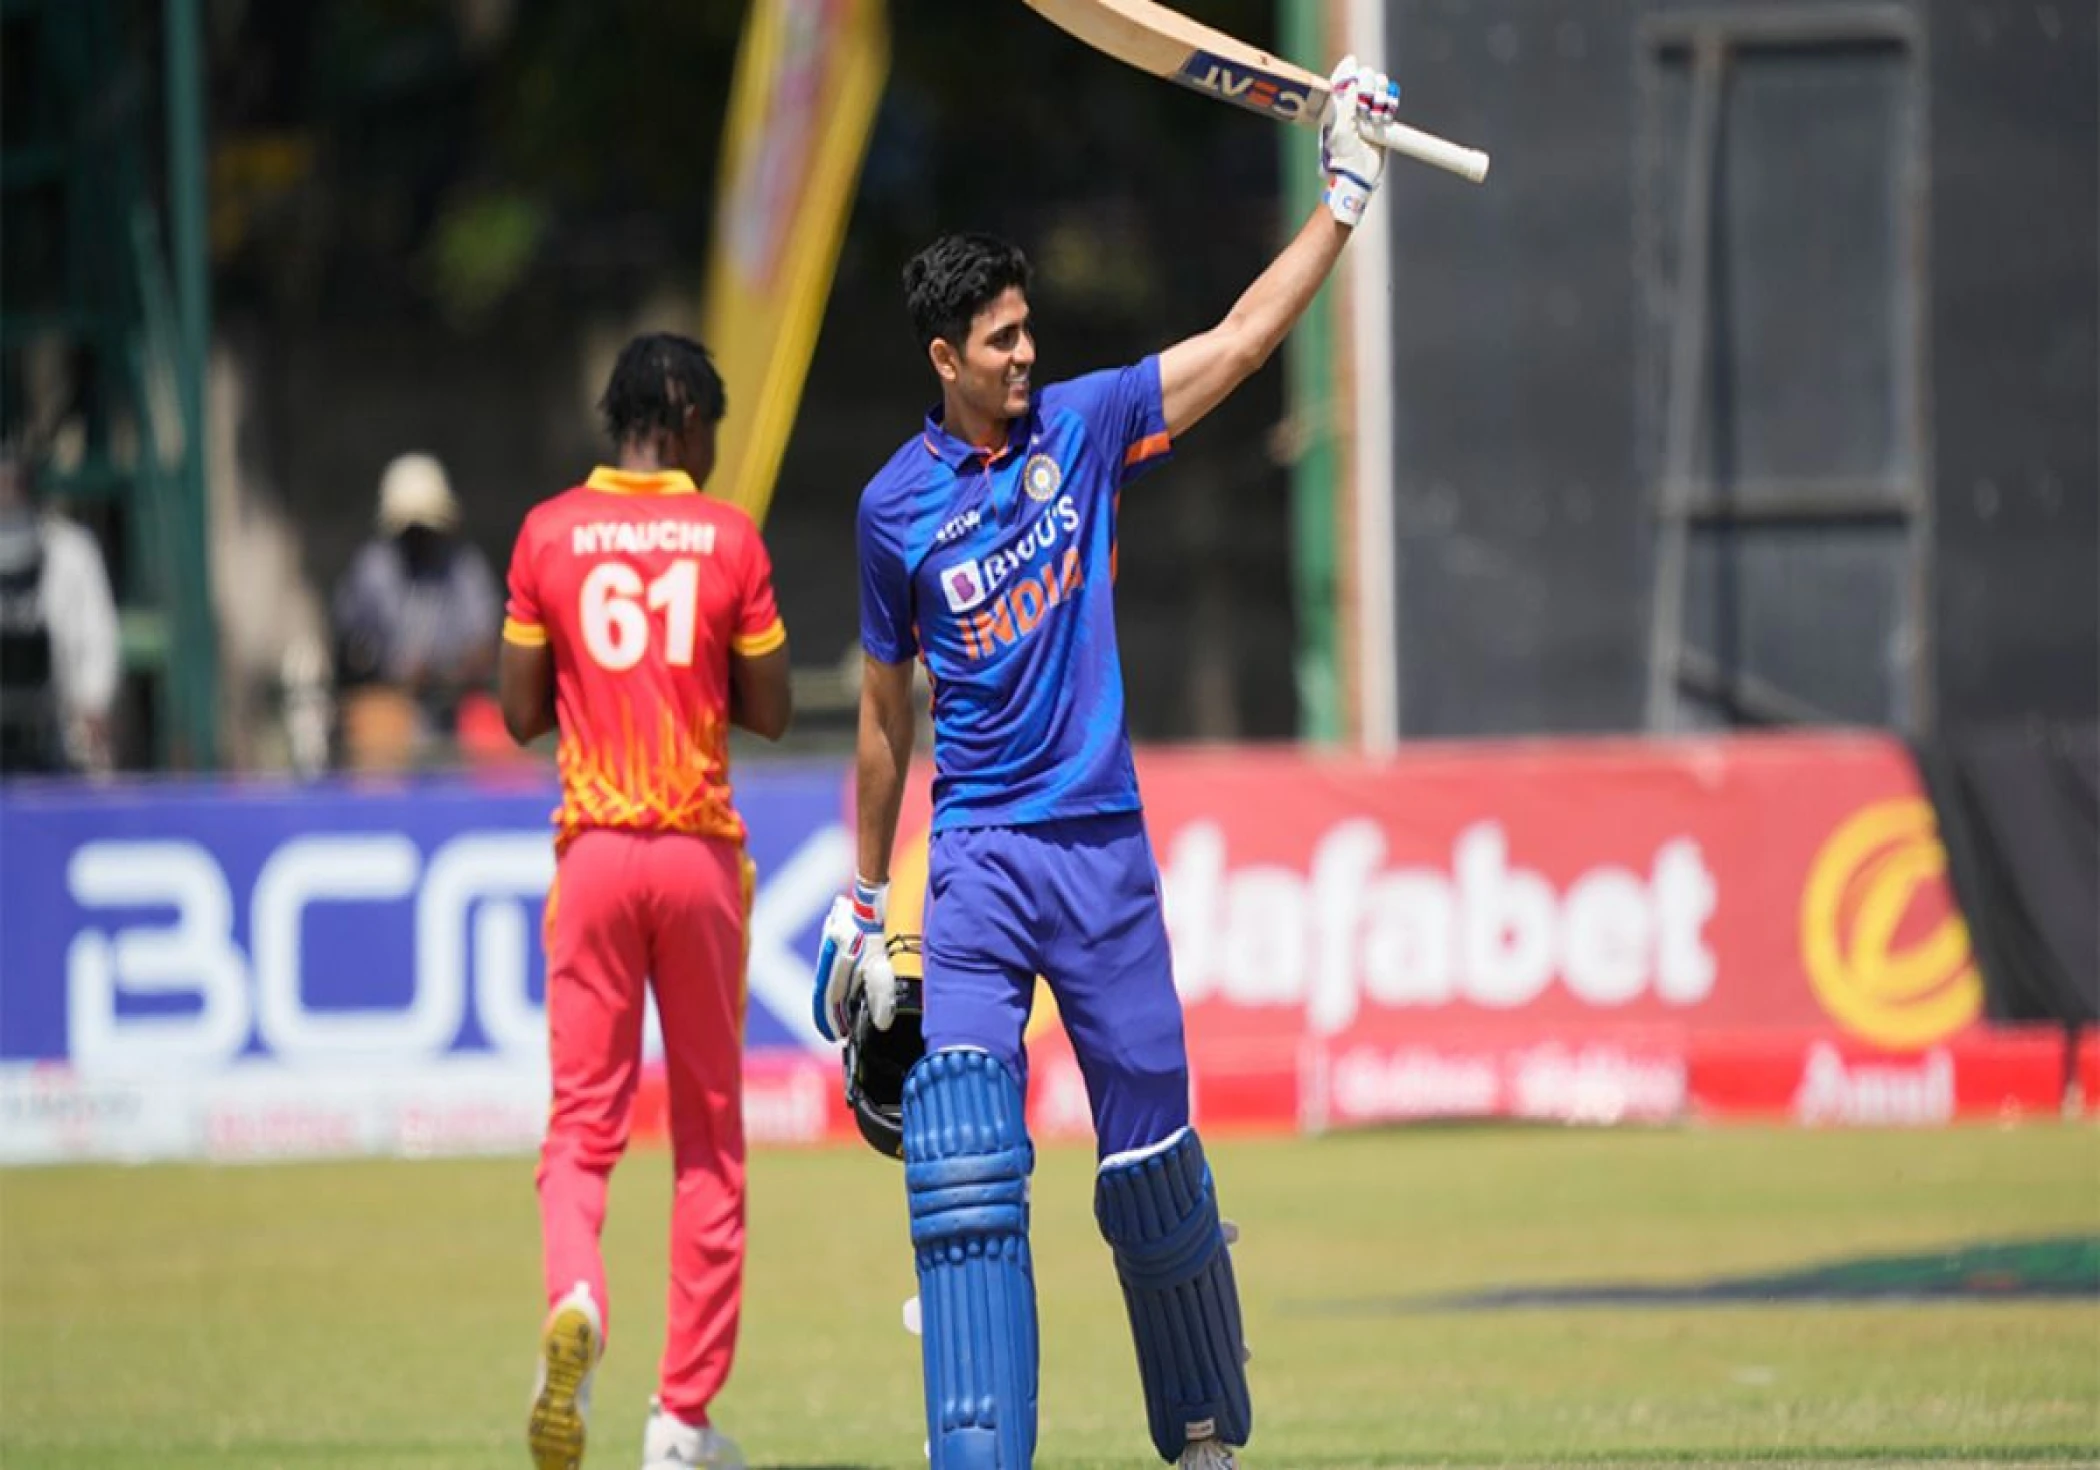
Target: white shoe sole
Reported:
point(568, 1350)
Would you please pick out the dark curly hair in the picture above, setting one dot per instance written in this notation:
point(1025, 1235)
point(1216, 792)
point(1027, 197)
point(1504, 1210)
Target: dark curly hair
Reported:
point(655, 379)
point(954, 278)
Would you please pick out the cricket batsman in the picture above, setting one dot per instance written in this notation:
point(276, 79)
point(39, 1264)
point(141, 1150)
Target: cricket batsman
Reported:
point(641, 625)
point(987, 551)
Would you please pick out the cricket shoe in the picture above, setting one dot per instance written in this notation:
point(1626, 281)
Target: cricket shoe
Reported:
point(570, 1345)
point(669, 1443)
point(1206, 1454)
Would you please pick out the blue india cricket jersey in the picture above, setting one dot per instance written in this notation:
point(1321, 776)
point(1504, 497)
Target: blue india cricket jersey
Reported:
point(997, 569)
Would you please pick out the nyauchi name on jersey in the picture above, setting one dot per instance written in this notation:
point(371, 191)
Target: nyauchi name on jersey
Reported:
point(630, 538)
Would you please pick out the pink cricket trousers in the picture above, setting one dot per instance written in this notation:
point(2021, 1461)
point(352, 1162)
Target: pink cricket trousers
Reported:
point(670, 909)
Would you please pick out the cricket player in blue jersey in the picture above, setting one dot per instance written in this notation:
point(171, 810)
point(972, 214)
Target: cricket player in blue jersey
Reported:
point(987, 551)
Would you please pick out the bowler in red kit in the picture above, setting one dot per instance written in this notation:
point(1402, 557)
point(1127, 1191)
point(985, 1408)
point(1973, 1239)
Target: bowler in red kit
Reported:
point(641, 625)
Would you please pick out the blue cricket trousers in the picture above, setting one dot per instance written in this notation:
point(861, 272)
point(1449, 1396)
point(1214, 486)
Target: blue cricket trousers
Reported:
point(1076, 901)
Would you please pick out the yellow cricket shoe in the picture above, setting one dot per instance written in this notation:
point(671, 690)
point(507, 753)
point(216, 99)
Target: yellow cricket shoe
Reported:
point(570, 1345)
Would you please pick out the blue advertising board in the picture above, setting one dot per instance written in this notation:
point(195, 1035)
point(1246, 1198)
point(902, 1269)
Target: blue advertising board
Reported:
point(193, 927)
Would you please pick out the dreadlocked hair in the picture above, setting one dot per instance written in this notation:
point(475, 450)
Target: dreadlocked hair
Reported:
point(657, 377)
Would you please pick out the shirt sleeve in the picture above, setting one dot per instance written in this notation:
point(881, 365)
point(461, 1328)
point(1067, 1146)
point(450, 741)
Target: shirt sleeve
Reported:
point(887, 627)
point(758, 627)
point(522, 622)
point(1124, 412)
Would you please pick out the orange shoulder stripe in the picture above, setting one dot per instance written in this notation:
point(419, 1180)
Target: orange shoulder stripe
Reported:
point(1152, 446)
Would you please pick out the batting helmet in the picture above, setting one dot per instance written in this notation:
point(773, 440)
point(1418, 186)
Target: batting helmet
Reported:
point(876, 1062)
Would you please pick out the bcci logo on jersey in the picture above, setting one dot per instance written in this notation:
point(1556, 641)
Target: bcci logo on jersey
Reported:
point(1040, 477)
point(963, 585)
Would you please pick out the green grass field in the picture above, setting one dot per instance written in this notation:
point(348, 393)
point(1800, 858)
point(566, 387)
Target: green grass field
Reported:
point(384, 1313)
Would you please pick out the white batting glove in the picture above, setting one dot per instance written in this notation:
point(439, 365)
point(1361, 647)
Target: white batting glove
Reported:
point(1358, 98)
point(852, 933)
point(879, 980)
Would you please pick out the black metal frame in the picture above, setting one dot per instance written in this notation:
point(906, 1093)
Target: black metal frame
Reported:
point(1683, 499)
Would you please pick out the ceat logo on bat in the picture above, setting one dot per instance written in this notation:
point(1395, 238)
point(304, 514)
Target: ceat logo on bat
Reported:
point(1243, 86)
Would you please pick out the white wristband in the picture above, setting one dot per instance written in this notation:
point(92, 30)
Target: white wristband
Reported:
point(871, 903)
point(1346, 197)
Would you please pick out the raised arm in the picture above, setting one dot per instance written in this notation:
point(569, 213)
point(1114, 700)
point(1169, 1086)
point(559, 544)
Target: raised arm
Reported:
point(1198, 374)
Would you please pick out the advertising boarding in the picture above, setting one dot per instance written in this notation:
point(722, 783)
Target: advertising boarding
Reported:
point(244, 970)
point(1586, 931)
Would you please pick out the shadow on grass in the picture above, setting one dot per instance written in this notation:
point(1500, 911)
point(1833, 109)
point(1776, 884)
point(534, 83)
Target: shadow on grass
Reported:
point(2054, 1269)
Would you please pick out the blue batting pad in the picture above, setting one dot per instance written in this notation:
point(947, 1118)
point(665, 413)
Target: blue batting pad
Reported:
point(966, 1166)
point(1160, 1215)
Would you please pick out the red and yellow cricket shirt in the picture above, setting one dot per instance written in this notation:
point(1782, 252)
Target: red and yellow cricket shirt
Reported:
point(642, 587)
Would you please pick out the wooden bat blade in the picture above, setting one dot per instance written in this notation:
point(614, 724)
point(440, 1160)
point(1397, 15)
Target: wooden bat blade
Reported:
point(1168, 44)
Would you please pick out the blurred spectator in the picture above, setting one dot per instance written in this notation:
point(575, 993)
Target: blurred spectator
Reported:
point(416, 618)
point(58, 634)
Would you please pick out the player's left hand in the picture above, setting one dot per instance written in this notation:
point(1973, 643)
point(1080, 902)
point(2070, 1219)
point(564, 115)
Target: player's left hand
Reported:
point(879, 980)
point(1358, 97)
point(850, 939)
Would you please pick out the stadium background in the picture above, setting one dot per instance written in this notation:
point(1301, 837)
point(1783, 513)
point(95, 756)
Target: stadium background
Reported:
point(1458, 817)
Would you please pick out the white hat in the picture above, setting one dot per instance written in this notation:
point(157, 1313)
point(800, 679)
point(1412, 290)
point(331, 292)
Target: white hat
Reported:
point(414, 492)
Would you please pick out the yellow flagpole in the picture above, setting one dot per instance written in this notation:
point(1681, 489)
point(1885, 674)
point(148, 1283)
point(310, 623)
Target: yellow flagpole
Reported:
point(809, 77)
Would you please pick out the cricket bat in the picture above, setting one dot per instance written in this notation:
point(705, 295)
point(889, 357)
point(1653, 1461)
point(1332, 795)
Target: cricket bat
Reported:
point(1168, 44)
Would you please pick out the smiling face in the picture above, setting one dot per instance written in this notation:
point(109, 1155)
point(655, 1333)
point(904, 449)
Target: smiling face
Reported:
point(987, 383)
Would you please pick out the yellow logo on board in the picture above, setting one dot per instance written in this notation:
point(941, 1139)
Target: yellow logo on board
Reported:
point(1897, 988)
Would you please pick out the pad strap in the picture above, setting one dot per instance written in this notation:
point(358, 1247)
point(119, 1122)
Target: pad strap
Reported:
point(966, 1164)
point(1158, 1211)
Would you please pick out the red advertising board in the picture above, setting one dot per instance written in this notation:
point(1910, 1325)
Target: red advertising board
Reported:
point(1590, 931)
point(1820, 1080)
point(1740, 883)
point(1544, 929)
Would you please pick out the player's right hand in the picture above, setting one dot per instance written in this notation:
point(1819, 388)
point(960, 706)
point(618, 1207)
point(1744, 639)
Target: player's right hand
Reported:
point(850, 943)
point(1358, 98)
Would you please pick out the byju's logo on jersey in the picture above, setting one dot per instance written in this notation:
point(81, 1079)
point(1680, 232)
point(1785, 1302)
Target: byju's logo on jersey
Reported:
point(963, 585)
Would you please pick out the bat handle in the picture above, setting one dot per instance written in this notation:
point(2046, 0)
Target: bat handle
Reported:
point(1468, 163)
